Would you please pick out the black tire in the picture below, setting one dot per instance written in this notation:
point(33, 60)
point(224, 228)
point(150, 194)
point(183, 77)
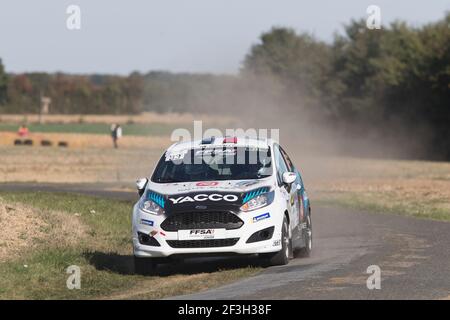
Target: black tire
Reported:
point(281, 257)
point(306, 250)
point(144, 266)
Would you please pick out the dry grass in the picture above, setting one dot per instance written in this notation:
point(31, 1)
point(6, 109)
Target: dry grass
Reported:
point(419, 188)
point(416, 188)
point(25, 228)
point(21, 228)
point(93, 234)
point(59, 165)
point(145, 118)
point(80, 141)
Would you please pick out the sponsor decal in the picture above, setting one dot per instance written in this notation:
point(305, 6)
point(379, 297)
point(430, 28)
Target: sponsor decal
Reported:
point(207, 184)
point(203, 197)
point(276, 243)
point(147, 222)
point(246, 184)
point(261, 217)
point(202, 232)
point(215, 151)
point(176, 156)
point(302, 209)
point(293, 199)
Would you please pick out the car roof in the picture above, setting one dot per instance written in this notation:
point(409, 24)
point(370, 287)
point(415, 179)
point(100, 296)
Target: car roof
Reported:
point(213, 142)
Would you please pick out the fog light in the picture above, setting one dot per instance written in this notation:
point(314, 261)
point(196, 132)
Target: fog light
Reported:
point(261, 235)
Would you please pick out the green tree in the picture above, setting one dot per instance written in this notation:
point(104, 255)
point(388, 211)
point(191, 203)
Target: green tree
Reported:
point(300, 61)
point(3, 83)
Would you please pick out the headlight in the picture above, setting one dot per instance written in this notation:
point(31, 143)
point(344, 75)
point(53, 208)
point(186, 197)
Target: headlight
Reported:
point(151, 207)
point(258, 202)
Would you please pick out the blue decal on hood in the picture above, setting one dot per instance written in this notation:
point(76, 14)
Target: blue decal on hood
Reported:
point(253, 194)
point(155, 197)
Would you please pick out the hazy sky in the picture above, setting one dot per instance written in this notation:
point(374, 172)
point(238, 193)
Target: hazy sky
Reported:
point(183, 35)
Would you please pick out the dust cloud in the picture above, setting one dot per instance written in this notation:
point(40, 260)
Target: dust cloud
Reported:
point(308, 133)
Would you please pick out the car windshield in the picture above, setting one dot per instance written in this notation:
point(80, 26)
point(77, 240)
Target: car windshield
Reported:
point(236, 163)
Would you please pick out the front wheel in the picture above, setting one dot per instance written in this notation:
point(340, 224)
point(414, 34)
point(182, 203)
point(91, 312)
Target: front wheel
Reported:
point(281, 257)
point(306, 250)
point(144, 266)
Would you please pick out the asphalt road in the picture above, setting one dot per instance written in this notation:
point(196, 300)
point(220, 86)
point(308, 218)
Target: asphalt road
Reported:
point(412, 254)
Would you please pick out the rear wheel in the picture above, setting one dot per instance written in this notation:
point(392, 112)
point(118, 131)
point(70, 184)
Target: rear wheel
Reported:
point(281, 257)
point(307, 233)
point(144, 266)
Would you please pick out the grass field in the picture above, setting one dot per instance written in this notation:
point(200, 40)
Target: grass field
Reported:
point(93, 234)
point(145, 124)
point(413, 188)
point(137, 129)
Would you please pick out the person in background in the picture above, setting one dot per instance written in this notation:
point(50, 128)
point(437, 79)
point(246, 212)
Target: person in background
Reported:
point(116, 134)
point(23, 131)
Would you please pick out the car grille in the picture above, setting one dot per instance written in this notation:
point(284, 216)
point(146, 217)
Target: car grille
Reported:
point(202, 220)
point(210, 243)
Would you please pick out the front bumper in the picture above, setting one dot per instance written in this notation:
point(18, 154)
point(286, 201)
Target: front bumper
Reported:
point(240, 247)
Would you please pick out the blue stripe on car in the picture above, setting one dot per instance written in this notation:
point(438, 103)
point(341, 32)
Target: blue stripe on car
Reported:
point(253, 194)
point(157, 198)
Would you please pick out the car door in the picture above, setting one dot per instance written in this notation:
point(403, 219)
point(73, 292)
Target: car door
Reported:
point(295, 190)
point(289, 192)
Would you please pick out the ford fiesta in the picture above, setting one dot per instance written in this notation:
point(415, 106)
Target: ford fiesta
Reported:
point(222, 196)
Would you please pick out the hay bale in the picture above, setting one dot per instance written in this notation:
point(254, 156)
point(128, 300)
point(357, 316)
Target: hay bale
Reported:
point(46, 143)
point(63, 144)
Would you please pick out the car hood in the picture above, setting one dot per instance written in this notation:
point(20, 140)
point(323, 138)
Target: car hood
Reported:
point(233, 186)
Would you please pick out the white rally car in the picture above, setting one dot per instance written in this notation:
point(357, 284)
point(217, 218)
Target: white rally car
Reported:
point(222, 196)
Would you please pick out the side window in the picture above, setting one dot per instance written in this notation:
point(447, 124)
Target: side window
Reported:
point(280, 164)
point(291, 167)
point(289, 163)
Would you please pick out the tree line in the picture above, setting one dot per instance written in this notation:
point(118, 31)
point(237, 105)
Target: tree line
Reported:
point(363, 81)
point(391, 79)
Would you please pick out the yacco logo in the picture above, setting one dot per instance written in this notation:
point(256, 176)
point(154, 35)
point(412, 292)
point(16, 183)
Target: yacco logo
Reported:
point(147, 222)
point(157, 198)
point(204, 197)
point(253, 194)
point(261, 217)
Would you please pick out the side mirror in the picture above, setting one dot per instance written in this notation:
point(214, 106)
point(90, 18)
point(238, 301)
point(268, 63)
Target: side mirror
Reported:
point(289, 177)
point(141, 184)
